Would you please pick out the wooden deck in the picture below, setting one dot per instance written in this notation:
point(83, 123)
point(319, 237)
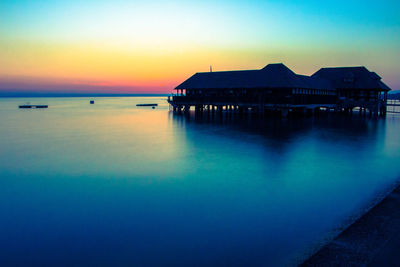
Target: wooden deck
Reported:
point(393, 103)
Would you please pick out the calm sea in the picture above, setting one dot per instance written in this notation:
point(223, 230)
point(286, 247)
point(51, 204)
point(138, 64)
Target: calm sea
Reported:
point(116, 184)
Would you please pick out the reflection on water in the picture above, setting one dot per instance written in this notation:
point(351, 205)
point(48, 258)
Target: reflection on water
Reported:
point(113, 183)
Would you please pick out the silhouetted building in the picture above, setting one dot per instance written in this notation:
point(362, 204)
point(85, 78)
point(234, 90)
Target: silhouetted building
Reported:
point(356, 87)
point(276, 87)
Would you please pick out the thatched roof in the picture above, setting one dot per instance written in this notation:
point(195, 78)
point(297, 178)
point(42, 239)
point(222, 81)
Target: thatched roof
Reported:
point(271, 76)
point(351, 78)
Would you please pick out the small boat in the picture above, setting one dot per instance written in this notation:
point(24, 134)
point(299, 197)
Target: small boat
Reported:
point(33, 106)
point(146, 105)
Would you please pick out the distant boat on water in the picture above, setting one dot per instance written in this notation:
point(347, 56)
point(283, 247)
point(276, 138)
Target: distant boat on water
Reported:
point(33, 106)
point(146, 105)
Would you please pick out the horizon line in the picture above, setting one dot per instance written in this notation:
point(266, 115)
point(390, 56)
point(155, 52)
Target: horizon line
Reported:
point(52, 94)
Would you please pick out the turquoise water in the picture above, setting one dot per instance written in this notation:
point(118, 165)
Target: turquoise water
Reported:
point(116, 184)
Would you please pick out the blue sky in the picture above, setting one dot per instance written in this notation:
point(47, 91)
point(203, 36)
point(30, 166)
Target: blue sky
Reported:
point(155, 44)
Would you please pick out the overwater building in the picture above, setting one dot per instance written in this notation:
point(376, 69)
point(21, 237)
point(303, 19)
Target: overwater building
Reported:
point(277, 88)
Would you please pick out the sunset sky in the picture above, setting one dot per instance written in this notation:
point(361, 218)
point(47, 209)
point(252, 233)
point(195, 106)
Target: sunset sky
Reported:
point(151, 46)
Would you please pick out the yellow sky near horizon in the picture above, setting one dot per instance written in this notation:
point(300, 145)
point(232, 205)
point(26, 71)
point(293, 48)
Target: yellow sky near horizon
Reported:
point(156, 46)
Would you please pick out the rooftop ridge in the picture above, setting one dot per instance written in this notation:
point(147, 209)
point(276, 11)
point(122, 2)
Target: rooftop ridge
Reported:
point(346, 67)
point(278, 75)
point(224, 71)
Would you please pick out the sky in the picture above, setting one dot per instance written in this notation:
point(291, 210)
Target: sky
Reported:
point(152, 46)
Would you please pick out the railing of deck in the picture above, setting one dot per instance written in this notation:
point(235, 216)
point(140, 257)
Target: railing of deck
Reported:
point(310, 99)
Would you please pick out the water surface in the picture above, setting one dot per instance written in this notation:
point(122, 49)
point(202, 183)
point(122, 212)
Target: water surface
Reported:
point(116, 184)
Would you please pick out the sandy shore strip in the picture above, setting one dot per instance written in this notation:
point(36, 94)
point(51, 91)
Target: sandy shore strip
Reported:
point(372, 240)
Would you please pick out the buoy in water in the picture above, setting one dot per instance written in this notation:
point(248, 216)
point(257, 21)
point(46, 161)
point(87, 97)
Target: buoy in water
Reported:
point(91, 101)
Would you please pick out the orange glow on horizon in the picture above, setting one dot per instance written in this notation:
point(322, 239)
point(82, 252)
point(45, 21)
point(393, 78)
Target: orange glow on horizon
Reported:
point(135, 46)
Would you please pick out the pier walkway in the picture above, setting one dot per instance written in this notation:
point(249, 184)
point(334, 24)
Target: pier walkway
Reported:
point(394, 106)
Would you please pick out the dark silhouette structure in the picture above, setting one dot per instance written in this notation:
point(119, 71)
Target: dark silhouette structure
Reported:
point(356, 87)
point(275, 87)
